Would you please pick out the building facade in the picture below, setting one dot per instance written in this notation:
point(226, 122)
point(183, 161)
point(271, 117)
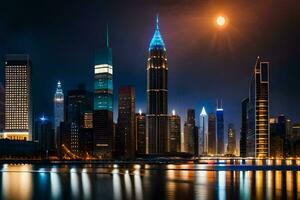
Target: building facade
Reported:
point(212, 139)
point(2, 108)
point(103, 103)
point(58, 109)
point(258, 136)
point(191, 134)
point(244, 128)
point(140, 130)
point(174, 132)
point(231, 148)
point(157, 95)
point(18, 105)
point(203, 136)
point(125, 133)
point(220, 130)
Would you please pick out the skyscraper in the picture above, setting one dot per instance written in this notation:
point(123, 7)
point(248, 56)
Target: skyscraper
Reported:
point(157, 95)
point(58, 109)
point(190, 135)
point(2, 107)
point(203, 136)
point(220, 129)
point(244, 128)
point(140, 130)
point(212, 140)
point(18, 108)
point(78, 103)
point(125, 134)
point(258, 136)
point(231, 148)
point(174, 132)
point(103, 103)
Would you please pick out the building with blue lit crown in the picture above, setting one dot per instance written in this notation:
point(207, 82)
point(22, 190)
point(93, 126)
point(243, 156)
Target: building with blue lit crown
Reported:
point(157, 95)
point(103, 103)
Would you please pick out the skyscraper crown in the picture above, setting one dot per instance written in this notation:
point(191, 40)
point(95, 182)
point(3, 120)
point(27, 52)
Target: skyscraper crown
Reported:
point(157, 40)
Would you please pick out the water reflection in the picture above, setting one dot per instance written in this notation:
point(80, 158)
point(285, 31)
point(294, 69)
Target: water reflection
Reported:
point(16, 182)
point(137, 182)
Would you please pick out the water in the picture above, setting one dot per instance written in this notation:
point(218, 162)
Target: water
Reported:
point(186, 181)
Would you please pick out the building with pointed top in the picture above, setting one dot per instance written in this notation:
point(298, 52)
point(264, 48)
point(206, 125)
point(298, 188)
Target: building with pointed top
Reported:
point(58, 109)
point(103, 103)
point(258, 135)
point(203, 136)
point(157, 95)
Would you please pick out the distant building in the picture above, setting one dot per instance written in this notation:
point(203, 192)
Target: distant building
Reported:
point(174, 132)
point(140, 130)
point(103, 103)
point(125, 134)
point(44, 134)
point(58, 109)
point(18, 108)
point(191, 137)
point(157, 95)
point(212, 140)
point(244, 128)
point(276, 141)
point(295, 140)
point(78, 106)
point(220, 129)
point(231, 148)
point(203, 136)
point(2, 107)
point(258, 136)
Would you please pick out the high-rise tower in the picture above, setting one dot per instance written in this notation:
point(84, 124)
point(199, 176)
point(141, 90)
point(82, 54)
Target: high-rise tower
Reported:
point(103, 103)
point(174, 132)
point(58, 109)
point(203, 132)
point(220, 129)
point(258, 136)
point(212, 141)
point(157, 95)
point(18, 108)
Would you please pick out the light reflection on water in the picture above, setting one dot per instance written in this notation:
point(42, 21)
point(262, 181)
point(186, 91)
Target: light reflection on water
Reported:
point(186, 181)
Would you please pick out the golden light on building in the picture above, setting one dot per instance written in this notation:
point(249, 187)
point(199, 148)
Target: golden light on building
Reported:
point(18, 115)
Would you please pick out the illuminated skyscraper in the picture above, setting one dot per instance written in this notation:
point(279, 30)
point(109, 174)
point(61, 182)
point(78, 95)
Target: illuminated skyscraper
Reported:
point(58, 109)
point(1, 107)
point(203, 136)
point(157, 95)
point(18, 109)
point(212, 140)
point(140, 129)
point(258, 136)
point(103, 103)
point(231, 148)
point(125, 134)
point(220, 129)
point(174, 132)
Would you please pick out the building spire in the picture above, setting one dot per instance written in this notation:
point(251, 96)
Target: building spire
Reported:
point(157, 22)
point(107, 36)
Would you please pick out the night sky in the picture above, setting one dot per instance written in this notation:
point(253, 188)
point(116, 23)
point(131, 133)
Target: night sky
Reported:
point(205, 62)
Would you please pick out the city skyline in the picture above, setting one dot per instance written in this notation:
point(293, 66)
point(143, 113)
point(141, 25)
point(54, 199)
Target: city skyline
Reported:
point(69, 68)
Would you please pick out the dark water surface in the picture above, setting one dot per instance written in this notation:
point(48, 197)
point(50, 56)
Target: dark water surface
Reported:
point(185, 181)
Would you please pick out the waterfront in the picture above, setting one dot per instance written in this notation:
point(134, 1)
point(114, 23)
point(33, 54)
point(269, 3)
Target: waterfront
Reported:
point(156, 181)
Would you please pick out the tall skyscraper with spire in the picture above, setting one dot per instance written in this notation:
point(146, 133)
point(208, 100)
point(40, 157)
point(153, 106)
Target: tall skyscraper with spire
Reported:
point(258, 136)
point(103, 102)
point(58, 109)
point(157, 95)
point(203, 137)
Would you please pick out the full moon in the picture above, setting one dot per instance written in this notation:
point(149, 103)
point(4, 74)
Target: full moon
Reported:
point(221, 21)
